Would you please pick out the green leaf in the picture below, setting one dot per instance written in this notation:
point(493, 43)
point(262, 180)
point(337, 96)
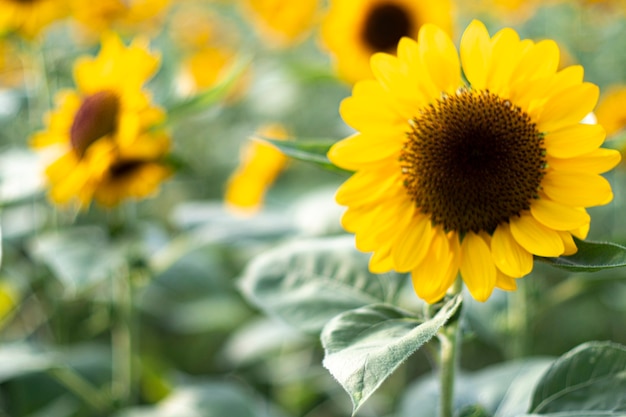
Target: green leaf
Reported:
point(309, 282)
point(591, 257)
point(365, 346)
point(502, 390)
point(310, 150)
point(589, 380)
point(21, 359)
point(79, 257)
point(209, 97)
point(210, 398)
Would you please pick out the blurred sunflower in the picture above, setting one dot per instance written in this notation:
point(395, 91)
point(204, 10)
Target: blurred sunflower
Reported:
point(28, 18)
point(102, 123)
point(353, 30)
point(209, 45)
point(281, 22)
point(470, 178)
point(611, 112)
point(124, 15)
point(259, 166)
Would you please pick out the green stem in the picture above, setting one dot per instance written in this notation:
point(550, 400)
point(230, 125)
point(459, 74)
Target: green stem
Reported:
point(449, 341)
point(82, 389)
point(122, 340)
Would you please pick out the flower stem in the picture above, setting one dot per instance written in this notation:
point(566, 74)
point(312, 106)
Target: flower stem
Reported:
point(82, 389)
point(448, 337)
point(122, 340)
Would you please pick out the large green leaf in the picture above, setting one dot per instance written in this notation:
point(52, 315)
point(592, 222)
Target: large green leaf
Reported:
point(311, 281)
point(589, 380)
point(312, 150)
point(365, 346)
point(79, 257)
point(590, 257)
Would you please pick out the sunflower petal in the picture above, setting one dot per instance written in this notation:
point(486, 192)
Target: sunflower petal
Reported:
point(579, 189)
point(440, 58)
point(558, 216)
point(477, 267)
point(413, 244)
point(595, 162)
point(508, 256)
point(475, 53)
point(535, 237)
point(436, 273)
point(574, 140)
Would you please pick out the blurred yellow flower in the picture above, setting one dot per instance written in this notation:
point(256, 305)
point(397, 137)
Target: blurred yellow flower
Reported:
point(12, 65)
point(473, 178)
point(281, 22)
point(353, 30)
point(209, 45)
point(123, 15)
point(611, 111)
point(260, 163)
point(98, 128)
point(28, 18)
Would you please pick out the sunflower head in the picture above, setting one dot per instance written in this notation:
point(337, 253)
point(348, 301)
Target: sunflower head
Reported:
point(104, 133)
point(354, 30)
point(470, 177)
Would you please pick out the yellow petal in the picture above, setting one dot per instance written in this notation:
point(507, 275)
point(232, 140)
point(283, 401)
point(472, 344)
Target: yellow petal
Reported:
point(579, 189)
point(558, 216)
point(475, 53)
point(574, 140)
point(366, 186)
point(393, 76)
point(505, 282)
point(477, 267)
point(535, 237)
point(568, 107)
point(508, 256)
point(412, 246)
point(436, 273)
point(440, 58)
point(507, 48)
point(362, 149)
point(380, 261)
point(371, 114)
point(568, 242)
point(597, 161)
point(540, 60)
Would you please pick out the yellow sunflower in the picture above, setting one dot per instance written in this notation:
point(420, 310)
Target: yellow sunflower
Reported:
point(28, 18)
point(260, 164)
point(353, 30)
point(102, 121)
point(124, 15)
point(281, 22)
point(470, 178)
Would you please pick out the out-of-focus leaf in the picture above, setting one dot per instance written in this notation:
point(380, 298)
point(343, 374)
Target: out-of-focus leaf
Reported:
point(210, 97)
point(590, 257)
point(364, 346)
point(22, 359)
point(311, 281)
point(309, 150)
point(473, 411)
point(502, 390)
point(589, 380)
point(21, 176)
point(78, 257)
point(207, 399)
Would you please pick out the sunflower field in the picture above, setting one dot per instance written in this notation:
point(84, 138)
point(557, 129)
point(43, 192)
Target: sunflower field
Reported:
point(315, 208)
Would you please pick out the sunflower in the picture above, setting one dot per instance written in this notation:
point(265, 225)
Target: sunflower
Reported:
point(353, 30)
point(121, 14)
point(260, 164)
point(472, 178)
point(101, 121)
point(281, 22)
point(28, 18)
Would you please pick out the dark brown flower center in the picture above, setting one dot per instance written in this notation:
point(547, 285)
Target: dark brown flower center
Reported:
point(96, 117)
point(385, 25)
point(472, 161)
point(125, 168)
